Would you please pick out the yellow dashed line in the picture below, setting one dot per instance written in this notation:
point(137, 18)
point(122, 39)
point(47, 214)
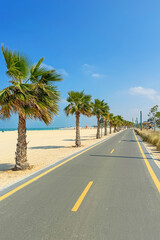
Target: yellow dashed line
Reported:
point(46, 172)
point(80, 199)
point(112, 151)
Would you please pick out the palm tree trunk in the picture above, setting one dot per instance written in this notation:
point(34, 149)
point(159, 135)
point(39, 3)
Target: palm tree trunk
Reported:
point(78, 140)
point(114, 129)
point(21, 151)
point(105, 128)
point(98, 128)
point(110, 126)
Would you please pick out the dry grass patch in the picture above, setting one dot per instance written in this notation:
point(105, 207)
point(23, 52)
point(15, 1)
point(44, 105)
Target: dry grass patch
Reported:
point(150, 137)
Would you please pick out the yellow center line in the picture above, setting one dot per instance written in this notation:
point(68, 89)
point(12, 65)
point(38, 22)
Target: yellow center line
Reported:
point(48, 171)
point(153, 175)
point(80, 199)
point(112, 151)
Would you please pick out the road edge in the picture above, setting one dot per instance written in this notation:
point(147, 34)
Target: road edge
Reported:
point(151, 166)
point(21, 183)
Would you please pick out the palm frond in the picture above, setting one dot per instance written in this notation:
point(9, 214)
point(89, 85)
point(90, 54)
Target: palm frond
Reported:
point(40, 74)
point(78, 102)
point(34, 98)
point(17, 64)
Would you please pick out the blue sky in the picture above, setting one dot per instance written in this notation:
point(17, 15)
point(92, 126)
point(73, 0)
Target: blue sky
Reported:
point(110, 49)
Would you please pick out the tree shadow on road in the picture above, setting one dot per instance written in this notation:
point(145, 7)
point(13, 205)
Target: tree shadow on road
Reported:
point(73, 140)
point(113, 156)
point(6, 167)
point(47, 147)
point(130, 141)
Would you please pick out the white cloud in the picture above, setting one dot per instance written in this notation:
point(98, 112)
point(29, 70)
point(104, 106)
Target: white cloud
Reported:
point(63, 101)
point(49, 67)
point(142, 91)
point(63, 72)
point(87, 68)
point(60, 71)
point(147, 92)
point(97, 75)
point(90, 70)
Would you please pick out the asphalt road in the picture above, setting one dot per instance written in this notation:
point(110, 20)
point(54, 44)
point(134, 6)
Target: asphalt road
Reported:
point(121, 202)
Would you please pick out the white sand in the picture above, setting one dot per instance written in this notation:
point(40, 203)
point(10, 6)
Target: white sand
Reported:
point(44, 147)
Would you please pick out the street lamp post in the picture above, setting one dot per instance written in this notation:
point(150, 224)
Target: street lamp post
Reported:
point(141, 120)
point(136, 122)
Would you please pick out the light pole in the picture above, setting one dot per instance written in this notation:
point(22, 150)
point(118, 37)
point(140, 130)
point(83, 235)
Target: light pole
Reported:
point(136, 122)
point(141, 120)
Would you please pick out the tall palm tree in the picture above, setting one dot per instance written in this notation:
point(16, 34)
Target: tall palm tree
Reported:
point(117, 122)
point(98, 110)
point(79, 103)
point(105, 117)
point(128, 124)
point(30, 95)
point(120, 122)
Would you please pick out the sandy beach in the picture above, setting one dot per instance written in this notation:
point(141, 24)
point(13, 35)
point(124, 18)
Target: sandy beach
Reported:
point(44, 147)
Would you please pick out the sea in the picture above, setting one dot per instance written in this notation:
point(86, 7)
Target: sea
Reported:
point(34, 129)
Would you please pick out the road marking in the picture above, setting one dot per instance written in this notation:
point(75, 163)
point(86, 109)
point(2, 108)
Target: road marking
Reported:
point(153, 175)
point(112, 151)
point(119, 141)
point(80, 199)
point(50, 170)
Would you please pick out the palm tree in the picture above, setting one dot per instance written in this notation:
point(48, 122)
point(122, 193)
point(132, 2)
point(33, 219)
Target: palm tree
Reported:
point(98, 110)
point(115, 123)
point(105, 117)
point(120, 122)
point(30, 95)
point(79, 103)
point(128, 124)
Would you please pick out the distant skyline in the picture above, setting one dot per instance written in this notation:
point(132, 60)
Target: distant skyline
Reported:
point(110, 49)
